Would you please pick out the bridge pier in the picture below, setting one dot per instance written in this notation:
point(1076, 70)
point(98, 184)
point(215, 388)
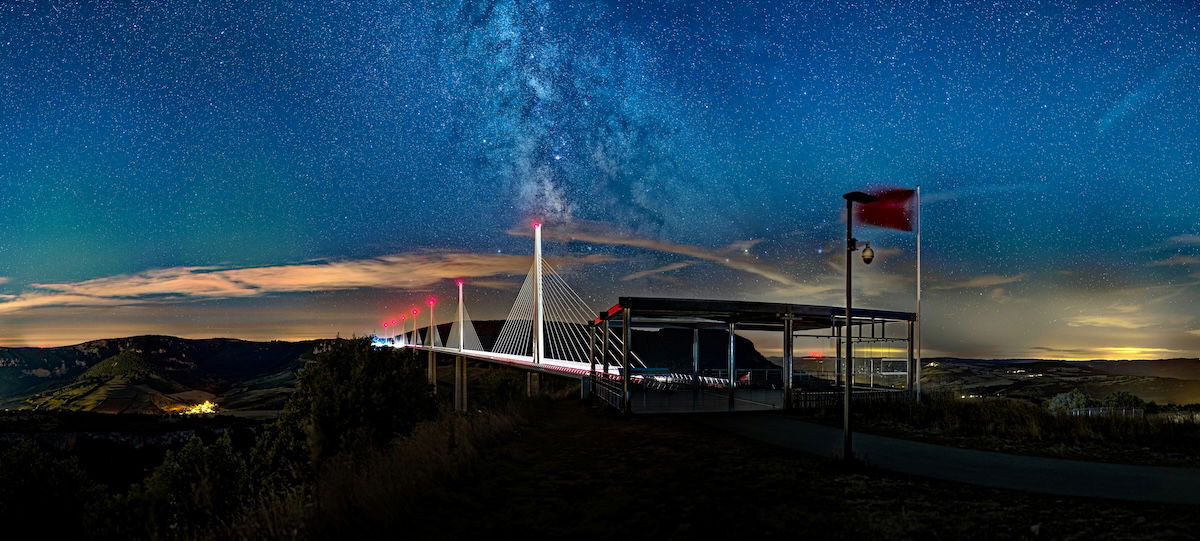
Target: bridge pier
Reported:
point(431, 370)
point(532, 387)
point(460, 383)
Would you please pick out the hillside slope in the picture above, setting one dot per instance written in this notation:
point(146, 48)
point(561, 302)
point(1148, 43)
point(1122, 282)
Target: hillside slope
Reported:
point(138, 372)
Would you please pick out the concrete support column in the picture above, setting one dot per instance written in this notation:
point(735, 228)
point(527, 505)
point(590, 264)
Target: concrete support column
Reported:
point(460, 383)
point(431, 370)
point(788, 363)
point(696, 357)
point(532, 384)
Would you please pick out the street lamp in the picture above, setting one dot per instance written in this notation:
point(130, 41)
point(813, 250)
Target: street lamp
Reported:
point(868, 255)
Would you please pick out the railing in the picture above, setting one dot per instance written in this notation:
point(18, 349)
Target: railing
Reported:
point(1108, 412)
point(749, 377)
point(806, 399)
point(608, 389)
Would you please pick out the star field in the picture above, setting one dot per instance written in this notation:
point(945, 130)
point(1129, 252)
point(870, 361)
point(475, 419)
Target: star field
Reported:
point(690, 149)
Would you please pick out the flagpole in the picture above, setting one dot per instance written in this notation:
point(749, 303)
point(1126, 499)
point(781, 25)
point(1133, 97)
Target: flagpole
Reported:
point(918, 316)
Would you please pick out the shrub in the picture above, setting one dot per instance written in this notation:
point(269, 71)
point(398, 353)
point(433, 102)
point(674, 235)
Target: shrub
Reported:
point(353, 398)
point(45, 492)
point(189, 493)
point(499, 388)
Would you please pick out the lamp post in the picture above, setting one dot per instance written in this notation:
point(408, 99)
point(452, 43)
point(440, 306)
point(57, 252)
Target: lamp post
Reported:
point(868, 255)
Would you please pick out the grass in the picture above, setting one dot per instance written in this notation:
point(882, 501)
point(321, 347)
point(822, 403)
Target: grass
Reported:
point(561, 470)
point(380, 492)
point(576, 473)
point(1020, 427)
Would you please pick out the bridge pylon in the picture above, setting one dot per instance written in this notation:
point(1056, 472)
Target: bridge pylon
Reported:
point(538, 312)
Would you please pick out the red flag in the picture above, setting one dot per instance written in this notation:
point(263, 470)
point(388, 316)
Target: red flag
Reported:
point(893, 210)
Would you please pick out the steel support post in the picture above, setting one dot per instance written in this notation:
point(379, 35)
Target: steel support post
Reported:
point(696, 357)
point(626, 336)
point(911, 359)
point(732, 364)
point(604, 348)
point(591, 391)
point(788, 362)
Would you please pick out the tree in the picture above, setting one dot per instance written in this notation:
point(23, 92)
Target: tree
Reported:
point(1124, 399)
point(190, 492)
point(50, 495)
point(1063, 403)
point(352, 398)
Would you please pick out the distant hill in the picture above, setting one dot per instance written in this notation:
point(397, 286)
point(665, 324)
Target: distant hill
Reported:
point(145, 373)
point(1166, 381)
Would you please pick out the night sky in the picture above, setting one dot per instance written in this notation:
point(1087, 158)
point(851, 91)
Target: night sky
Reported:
point(301, 169)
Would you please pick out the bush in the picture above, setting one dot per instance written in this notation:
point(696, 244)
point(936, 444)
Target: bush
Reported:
point(355, 397)
point(189, 493)
point(45, 492)
point(499, 388)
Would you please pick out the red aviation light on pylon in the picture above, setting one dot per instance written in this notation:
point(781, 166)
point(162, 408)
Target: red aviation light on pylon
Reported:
point(536, 224)
point(404, 318)
point(459, 282)
point(385, 324)
point(431, 301)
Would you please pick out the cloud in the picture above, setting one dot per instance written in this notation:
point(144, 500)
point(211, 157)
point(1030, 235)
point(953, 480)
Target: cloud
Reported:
point(987, 280)
point(418, 270)
point(3, 279)
point(1195, 332)
point(1111, 321)
point(1001, 296)
point(1107, 352)
point(600, 233)
point(1185, 239)
point(1177, 260)
point(659, 270)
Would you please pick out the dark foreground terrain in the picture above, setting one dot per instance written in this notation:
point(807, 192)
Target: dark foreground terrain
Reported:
point(575, 473)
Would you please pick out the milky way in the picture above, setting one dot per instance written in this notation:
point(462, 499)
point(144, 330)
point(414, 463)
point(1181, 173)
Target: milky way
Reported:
point(351, 156)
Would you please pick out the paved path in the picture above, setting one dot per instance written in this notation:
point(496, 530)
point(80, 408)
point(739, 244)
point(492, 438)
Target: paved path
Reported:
point(1027, 473)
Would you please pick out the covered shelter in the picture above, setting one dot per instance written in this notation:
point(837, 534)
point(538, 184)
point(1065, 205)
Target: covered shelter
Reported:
point(665, 386)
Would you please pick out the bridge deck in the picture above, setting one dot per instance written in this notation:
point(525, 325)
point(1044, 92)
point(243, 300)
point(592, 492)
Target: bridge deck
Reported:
point(557, 367)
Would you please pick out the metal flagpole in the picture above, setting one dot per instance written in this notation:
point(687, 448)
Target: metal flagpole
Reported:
point(918, 317)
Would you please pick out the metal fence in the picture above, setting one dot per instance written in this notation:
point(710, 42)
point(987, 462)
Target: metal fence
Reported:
point(807, 399)
point(1108, 412)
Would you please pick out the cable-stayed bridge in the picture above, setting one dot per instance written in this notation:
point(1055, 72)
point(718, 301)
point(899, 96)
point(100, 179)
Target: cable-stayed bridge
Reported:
point(551, 330)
